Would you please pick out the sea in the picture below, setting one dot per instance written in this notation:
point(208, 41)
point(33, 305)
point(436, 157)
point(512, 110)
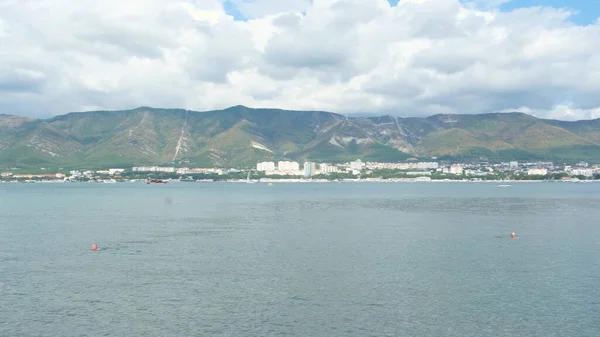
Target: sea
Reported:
point(300, 259)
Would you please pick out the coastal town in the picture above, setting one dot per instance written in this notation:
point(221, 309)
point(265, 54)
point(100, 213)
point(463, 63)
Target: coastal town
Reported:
point(292, 171)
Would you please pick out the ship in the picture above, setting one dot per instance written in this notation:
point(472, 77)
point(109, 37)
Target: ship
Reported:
point(155, 181)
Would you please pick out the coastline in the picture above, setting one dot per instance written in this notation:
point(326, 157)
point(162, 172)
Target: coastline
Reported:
point(279, 181)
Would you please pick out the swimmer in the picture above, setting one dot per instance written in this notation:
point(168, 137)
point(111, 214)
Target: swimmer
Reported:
point(513, 235)
point(94, 247)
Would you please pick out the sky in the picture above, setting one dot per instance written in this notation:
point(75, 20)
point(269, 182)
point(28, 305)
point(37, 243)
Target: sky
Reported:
point(356, 57)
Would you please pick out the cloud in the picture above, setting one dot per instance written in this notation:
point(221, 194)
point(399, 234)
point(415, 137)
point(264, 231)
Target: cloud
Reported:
point(417, 58)
point(260, 8)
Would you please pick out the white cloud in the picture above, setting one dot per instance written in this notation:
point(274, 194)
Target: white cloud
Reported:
point(348, 56)
point(561, 112)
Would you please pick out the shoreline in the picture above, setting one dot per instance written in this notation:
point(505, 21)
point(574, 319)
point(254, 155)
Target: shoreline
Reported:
point(278, 181)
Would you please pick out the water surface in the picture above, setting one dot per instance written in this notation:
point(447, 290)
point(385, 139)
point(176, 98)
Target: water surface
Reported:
point(323, 259)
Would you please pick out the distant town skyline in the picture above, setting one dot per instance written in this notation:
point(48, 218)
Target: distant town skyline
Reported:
point(290, 171)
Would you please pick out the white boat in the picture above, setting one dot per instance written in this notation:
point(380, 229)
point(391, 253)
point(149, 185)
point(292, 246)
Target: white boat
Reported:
point(248, 181)
point(504, 185)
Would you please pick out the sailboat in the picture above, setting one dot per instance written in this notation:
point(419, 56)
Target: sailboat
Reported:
point(248, 181)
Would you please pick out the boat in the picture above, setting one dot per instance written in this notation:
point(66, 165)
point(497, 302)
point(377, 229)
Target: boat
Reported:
point(248, 181)
point(155, 181)
point(504, 186)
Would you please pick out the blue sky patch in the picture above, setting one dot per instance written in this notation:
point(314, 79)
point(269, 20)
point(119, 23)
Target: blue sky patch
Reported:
point(231, 9)
point(587, 11)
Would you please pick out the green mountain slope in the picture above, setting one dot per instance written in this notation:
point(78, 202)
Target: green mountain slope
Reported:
point(241, 136)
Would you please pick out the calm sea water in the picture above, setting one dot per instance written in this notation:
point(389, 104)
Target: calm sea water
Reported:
point(330, 259)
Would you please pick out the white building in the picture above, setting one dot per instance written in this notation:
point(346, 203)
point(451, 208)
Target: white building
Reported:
point(309, 169)
point(582, 172)
point(187, 170)
point(153, 169)
point(477, 173)
point(287, 173)
point(537, 172)
point(265, 166)
point(113, 171)
point(75, 173)
point(326, 168)
point(284, 166)
point(418, 173)
point(357, 165)
point(456, 169)
point(427, 165)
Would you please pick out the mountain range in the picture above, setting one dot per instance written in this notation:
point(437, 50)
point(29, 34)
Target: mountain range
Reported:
point(242, 136)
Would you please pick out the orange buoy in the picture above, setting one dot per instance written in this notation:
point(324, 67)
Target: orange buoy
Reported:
point(94, 246)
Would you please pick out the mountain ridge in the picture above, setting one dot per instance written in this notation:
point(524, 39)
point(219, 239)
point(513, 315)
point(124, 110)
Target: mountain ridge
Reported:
point(241, 136)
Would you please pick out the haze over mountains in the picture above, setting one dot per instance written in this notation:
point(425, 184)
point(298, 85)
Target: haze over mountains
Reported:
point(241, 136)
